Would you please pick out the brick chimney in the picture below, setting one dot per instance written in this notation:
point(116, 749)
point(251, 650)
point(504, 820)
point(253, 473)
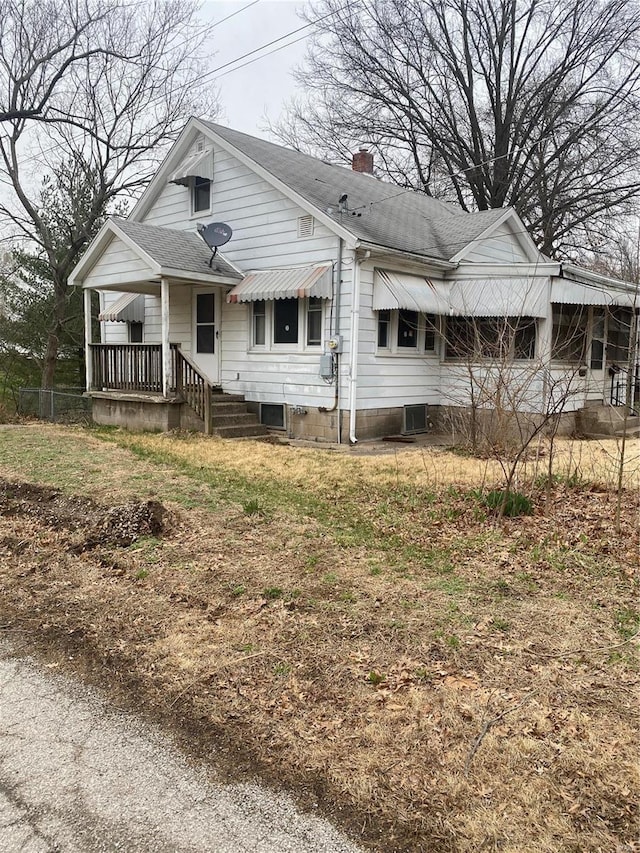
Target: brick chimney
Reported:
point(363, 161)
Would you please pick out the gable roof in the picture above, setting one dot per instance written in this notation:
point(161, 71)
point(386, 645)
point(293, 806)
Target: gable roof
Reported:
point(377, 212)
point(174, 249)
point(167, 252)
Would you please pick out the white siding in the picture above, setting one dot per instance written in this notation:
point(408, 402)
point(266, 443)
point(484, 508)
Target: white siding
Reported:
point(389, 380)
point(118, 264)
point(501, 248)
point(265, 235)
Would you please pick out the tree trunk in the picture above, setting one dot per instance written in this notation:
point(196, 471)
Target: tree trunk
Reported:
point(53, 337)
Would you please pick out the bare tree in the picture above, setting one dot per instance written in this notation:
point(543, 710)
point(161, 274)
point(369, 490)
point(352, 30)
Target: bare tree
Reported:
point(107, 116)
point(505, 395)
point(530, 103)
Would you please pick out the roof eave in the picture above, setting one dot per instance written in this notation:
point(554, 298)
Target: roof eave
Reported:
point(578, 273)
point(437, 263)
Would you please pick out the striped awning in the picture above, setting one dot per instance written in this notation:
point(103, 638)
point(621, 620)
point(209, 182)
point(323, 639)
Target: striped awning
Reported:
point(296, 283)
point(410, 292)
point(198, 165)
point(496, 297)
point(567, 292)
point(129, 308)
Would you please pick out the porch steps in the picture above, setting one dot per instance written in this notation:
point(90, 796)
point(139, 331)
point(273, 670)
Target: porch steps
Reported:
point(606, 422)
point(231, 419)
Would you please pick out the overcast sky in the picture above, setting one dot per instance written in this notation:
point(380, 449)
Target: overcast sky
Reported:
point(263, 85)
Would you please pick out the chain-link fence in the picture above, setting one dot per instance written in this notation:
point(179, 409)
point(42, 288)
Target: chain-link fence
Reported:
point(64, 405)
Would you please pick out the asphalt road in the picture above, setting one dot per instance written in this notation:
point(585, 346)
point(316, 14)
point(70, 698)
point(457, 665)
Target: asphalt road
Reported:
point(78, 776)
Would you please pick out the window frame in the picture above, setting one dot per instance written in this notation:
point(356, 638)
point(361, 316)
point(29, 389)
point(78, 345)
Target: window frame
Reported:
point(193, 188)
point(520, 325)
point(391, 319)
point(306, 308)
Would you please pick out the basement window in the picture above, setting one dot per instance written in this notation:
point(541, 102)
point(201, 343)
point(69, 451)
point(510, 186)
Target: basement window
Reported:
point(272, 415)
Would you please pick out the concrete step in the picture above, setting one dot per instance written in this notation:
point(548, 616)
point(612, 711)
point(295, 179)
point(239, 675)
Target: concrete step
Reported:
point(235, 419)
point(228, 409)
point(217, 398)
point(241, 431)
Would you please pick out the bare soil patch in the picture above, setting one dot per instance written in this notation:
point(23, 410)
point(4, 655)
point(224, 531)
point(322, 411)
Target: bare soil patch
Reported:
point(369, 640)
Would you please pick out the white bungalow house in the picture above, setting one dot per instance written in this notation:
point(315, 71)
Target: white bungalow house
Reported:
point(341, 308)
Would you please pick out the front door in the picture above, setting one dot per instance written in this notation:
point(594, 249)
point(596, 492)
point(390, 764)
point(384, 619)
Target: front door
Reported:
point(596, 356)
point(205, 350)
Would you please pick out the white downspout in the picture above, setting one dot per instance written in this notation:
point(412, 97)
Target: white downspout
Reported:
point(354, 344)
point(88, 353)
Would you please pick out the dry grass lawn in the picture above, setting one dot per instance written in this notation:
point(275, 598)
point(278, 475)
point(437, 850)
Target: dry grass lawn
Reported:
point(358, 626)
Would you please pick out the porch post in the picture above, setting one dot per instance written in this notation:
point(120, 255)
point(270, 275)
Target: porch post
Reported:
point(166, 350)
point(88, 354)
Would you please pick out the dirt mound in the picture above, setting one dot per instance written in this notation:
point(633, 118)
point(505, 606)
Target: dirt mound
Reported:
point(118, 525)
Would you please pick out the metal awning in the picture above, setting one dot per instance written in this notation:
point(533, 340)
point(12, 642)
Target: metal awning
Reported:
point(495, 297)
point(567, 292)
point(296, 283)
point(129, 308)
point(198, 165)
point(411, 292)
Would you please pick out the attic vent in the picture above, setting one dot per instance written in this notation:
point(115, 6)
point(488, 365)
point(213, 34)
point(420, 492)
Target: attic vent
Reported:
point(200, 145)
point(305, 226)
point(415, 418)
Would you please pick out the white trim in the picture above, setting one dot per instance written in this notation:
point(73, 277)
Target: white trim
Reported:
point(519, 233)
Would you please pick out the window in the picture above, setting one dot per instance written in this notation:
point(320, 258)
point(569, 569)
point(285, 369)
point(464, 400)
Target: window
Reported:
point(596, 360)
point(570, 325)
point(205, 323)
point(200, 194)
point(430, 329)
point(285, 321)
point(406, 331)
point(289, 322)
point(620, 321)
point(259, 310)
point(384, 321)
point(480, 338)
point(135, 332)
point(314, 322)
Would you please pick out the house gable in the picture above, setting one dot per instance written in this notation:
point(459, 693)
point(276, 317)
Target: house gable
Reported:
point(506, 241)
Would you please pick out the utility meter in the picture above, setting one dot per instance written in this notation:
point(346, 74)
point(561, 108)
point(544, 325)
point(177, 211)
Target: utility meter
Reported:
point(334, 344)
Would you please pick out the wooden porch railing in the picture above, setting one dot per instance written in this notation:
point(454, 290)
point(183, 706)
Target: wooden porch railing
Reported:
point(138, 368)
point(192, 386)
point(127, 367)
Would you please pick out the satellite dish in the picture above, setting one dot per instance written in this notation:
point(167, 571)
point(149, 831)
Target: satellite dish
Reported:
point(215, 234)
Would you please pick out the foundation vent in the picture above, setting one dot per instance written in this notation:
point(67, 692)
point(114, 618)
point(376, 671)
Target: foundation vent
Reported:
point(415, 419)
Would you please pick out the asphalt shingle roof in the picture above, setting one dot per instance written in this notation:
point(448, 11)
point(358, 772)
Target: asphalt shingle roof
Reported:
point(173, 249)
point(378, 212)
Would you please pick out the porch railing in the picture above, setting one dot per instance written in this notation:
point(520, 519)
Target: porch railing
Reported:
point(191, 385)
point(127, 367)
point(625, 386)
point(138, 368)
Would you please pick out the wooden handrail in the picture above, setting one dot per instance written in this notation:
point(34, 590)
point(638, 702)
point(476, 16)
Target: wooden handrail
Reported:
point(193, 387)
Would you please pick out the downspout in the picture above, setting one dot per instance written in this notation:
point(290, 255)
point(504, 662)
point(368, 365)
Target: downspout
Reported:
point(336, 331)
point(354, 343)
